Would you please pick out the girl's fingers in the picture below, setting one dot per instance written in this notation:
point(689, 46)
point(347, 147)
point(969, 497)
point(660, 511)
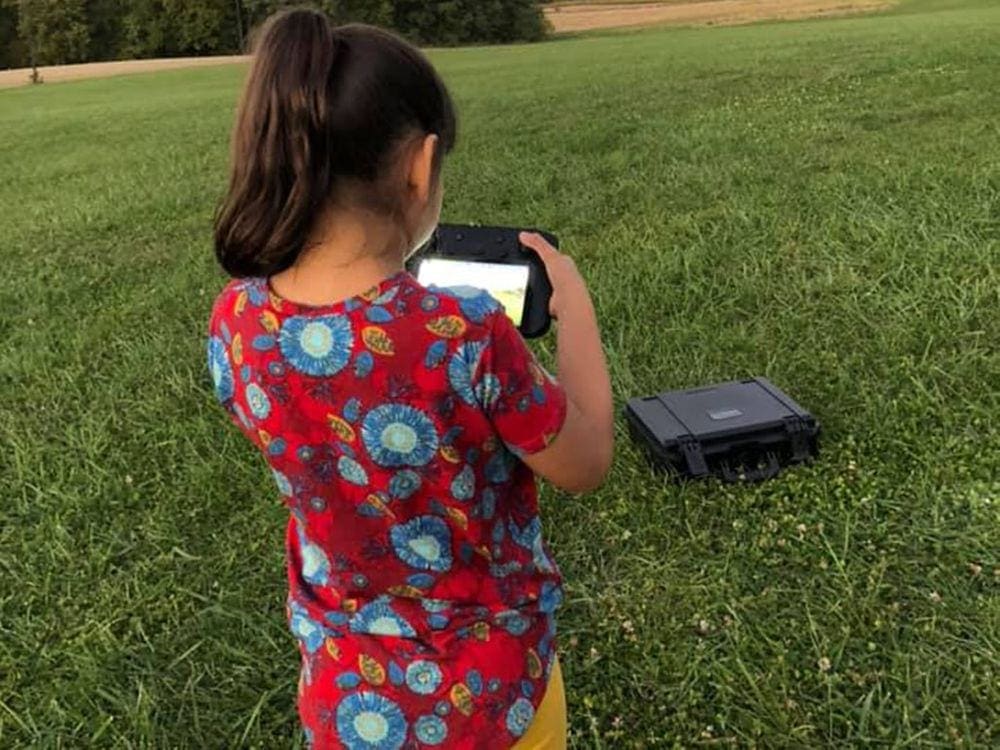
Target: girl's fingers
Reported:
point(539, 244)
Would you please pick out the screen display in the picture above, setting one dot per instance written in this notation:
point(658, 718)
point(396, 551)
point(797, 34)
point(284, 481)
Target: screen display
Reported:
point(508, 284)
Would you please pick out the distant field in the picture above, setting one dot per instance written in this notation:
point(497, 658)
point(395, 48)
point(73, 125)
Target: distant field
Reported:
point(817, 202)
point(600, 15)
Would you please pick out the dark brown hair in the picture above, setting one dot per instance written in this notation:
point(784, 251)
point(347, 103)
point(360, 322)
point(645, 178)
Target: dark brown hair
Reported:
point(324, 108)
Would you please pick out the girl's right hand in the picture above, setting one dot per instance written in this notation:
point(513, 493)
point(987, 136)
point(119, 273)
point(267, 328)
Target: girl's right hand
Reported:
point(569, 290)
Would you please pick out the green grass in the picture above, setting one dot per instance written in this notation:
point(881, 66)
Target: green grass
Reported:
point(816, 201)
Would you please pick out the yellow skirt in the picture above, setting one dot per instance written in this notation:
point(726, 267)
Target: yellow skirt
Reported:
point(547, 730)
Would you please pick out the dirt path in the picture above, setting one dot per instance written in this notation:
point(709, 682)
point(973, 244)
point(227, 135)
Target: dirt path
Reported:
point(564, 18)
point(723, 12)
point(21, 76)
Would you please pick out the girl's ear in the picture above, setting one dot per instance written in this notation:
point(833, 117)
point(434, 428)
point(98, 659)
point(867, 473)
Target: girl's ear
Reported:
point(421, 177)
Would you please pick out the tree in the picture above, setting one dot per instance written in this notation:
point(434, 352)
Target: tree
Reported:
point(55, 31)
point(104, 20)
point(198, 26)
point(13, 50)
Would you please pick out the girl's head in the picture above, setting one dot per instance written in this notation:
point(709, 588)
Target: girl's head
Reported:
point(349, 117)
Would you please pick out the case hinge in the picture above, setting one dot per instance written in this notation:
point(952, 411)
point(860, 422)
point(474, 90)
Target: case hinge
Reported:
point(691, 449)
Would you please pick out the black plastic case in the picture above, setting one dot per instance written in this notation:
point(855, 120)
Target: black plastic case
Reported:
point(492, 244)
point(742, 431)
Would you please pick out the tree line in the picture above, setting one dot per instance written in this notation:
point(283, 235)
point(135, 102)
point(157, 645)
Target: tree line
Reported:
point(56, 32)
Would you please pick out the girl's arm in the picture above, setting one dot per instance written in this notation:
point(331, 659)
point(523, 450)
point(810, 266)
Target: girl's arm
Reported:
point(580, 456)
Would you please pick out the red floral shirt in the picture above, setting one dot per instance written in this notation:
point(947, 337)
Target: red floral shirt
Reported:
point(420, 590)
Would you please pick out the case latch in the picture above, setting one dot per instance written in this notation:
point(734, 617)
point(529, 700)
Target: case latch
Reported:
point(797, 433)
point(691, 449)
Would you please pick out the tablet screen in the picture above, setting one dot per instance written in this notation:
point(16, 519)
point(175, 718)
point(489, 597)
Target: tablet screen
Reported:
point(507, 283)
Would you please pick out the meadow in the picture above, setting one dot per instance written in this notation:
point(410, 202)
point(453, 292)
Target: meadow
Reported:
point(817, 202)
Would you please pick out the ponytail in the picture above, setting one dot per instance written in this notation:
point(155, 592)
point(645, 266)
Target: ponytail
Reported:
point(322, 107)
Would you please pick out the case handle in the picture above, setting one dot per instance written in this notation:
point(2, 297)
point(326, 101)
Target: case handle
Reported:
point(758, 474)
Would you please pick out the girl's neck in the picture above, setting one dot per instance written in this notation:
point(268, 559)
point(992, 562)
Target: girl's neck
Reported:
point(350, 254)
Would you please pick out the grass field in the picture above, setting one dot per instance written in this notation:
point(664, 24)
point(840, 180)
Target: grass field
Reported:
point(817, 201)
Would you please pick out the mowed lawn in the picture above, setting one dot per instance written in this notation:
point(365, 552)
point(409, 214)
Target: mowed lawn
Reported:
point(818, 202)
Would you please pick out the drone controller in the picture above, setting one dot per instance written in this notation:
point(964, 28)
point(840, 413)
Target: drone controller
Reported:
point(492, 259)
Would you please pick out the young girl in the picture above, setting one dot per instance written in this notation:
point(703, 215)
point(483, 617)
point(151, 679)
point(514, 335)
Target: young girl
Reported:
point(402, 425)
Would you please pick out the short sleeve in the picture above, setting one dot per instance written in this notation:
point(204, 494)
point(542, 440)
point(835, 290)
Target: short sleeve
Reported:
point(525, 404)
point(219, 359)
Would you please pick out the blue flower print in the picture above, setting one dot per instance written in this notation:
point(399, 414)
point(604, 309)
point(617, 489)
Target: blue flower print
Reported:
point(336, 617)
point(352, 410)
point(550, 598)
point(369, 721)
point(423, 677)
point(498, 468)
point(263, 343)
point(348, 680)
point(545, 646)
point(519, 716)
point(403, 484)
point(437, 621)
point(423, 543)
point(257, 400)
point(512, 621)
point(241, 415)
point(303, 627)
point(462, 369)
point(352, 471)
point(436, 353)
point(488, 391)
point(396, 675)
point(429, 303)
point(318, 345)
point(378, 618)
point(399, 435)
point(538, 394)
point(276, 447)
point(378, 314)
point(420, 580)
point(435, 605)
point(540, 557)
point(463, 486)
point(387, 296)
point(430, 730)
point(474, 681)
point(488, 504)
point(308, 737)
point(363, 364)
point(530, 537)
point(256, 290)
point(317, 503)
point(315, 563)
point(221, 370)
point(474, 302)
point(284, 486)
